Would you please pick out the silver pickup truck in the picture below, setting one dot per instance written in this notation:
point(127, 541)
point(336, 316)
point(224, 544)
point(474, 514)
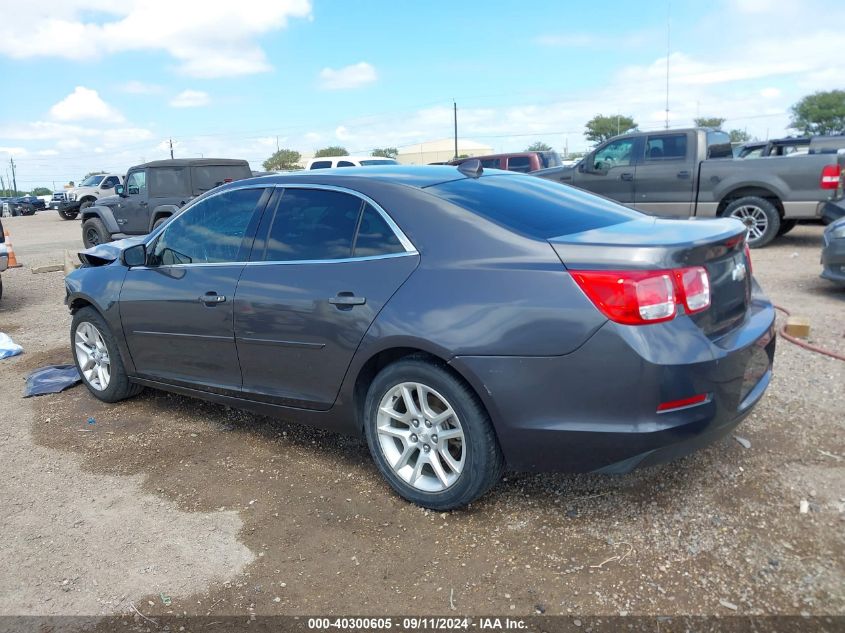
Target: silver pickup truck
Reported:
point(691, 172)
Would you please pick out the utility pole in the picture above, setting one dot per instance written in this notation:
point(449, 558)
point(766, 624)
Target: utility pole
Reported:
point(2, 186)
point(14, 178)
point(171, 149)
point(668, 32)
point(277, 142)
point(455, 107)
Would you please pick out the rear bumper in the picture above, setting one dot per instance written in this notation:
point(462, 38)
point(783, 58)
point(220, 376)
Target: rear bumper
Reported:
point(833, 259)
point(596, 408)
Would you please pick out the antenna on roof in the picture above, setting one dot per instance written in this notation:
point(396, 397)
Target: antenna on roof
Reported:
point(471, 168)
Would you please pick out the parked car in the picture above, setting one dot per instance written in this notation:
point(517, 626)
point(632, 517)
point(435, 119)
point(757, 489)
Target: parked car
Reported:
point(684, 173)
point(4, 256)
point(792, 146)
point(22, 205)
point(328, 162)
point(34, 202)
point(154, 192)
point(462, 320)
point(87, 193)
point(833, 252)
point(523, 162)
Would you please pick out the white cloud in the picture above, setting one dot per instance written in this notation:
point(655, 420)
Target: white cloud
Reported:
point(206, 39)
point(190, 99)
point(84, 104)
point(352, 76)
point(13, 151)
point(770, 93)
point(47, 152)
point(136, 87)
point(342, 133)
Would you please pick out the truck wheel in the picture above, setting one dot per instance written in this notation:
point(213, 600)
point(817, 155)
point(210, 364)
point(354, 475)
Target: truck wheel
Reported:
point(760, 217)
point(159, 222)
point(85, 204)
point(94, 232)
point(68, 214)
point(786, 226)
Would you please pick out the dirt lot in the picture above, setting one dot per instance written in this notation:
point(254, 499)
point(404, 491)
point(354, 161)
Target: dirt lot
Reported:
point(227, 513)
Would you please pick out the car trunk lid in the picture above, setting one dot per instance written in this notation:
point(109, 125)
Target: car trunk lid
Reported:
point(660, 244)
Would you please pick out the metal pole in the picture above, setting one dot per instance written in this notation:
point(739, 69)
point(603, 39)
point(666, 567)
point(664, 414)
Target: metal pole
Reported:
point(668, 33)
point(171, 149)
point(455, 106)
point(14, 178)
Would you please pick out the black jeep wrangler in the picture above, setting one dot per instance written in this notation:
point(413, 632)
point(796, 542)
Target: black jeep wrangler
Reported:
point(152, 193)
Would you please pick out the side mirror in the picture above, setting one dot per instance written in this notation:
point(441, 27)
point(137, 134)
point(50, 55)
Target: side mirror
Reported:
point(134, 255)
point(118, 189)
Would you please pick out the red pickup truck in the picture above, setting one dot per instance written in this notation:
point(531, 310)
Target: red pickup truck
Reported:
point(518, 161)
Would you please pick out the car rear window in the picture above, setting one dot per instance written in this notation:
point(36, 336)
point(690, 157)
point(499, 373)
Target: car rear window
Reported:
point(532, 206)
point(210, 176)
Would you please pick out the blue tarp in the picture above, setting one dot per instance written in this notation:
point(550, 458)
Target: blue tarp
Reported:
point(51, 379)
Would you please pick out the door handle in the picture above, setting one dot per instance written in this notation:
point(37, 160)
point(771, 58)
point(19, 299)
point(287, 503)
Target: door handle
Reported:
point(683, 174)
point(346, 300)
point(626, 176)
point(212, 298)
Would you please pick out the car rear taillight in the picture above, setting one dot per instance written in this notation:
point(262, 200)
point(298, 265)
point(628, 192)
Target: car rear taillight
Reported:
point(637, 297)
point(830, 176)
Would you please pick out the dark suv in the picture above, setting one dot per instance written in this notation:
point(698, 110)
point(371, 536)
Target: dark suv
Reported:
point(152, 193)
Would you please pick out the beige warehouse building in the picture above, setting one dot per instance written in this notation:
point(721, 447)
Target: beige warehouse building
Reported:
point(440, 151)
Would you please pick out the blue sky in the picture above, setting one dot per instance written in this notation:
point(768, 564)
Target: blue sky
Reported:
point(95, 87)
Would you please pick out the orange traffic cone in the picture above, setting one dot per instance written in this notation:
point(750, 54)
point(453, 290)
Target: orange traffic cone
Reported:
point(13, 261)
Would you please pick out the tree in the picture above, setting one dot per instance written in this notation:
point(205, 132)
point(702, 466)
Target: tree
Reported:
point(41, 191)
point(283, 160)
point(820, 113)
point(385, 152)
point(334, 150)
point(539, 146)
point(709, 121)
point(739, 136)
point(600, 127)
point(94, 173)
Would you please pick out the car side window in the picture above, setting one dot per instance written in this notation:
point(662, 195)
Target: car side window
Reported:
point(375, 237)
point(136, 182)
point(519, 163)
point(312, 224)
point(490, 163)
point(666, 147)
point(345, 163)
point(210, 231)
point(616, 154)
point(110, 182)
point(321, 164)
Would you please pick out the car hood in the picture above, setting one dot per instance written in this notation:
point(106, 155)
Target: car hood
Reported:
point(108, 201)
point(103, 254)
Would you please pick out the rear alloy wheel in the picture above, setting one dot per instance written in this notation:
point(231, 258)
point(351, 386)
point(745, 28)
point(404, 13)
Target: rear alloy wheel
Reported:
point(760, 217)
point(97, 358)
point(94, 232)
point(430, 436)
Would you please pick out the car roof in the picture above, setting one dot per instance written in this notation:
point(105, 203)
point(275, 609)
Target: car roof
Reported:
point(358, 158)
point(420, 176)
point(192, 162)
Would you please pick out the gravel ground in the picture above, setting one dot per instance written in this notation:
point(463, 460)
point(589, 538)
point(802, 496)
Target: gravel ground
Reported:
point(229, 513)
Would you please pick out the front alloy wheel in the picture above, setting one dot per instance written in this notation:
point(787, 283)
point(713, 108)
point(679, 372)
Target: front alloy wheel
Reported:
point(754, 219)
point(92, 356)
point(421, 437)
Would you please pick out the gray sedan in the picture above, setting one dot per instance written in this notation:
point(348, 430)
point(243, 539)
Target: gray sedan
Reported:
point(463, 322)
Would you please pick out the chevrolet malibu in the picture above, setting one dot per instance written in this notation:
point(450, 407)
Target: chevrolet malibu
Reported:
point(463, 322)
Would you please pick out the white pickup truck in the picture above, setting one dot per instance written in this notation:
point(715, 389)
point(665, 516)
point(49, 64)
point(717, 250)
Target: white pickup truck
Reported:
point(86, 194)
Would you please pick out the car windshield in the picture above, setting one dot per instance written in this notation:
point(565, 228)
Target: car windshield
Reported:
point(92, 181)
point(378, 161)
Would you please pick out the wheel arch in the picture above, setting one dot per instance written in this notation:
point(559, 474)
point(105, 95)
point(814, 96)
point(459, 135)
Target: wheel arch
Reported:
point(389, 355)
point(747, 191)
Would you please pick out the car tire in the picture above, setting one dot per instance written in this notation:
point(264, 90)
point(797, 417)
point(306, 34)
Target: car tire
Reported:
point(97, 358)
point(786, 226)
point(1, 286)
point(94, 232)
point(68, 215)
point(760, 217)
point(159, 222)
point(85, 204)
point(469, 462)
